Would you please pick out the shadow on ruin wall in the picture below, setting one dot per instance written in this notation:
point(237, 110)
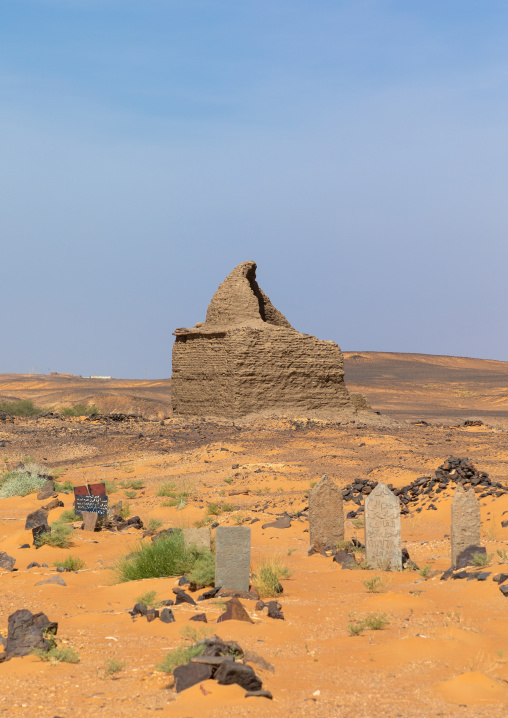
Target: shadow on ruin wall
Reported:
point(246, 358)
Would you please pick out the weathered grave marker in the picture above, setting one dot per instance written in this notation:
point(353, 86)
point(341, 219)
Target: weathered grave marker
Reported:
point(198, 537)
point(326, 515)
point(89, 520)
point(91, 499)
point(232, 557)
point(382, 529)
point(466, 522)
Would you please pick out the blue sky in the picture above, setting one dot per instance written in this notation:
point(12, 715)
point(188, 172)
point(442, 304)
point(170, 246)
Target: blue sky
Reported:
point(357, 151)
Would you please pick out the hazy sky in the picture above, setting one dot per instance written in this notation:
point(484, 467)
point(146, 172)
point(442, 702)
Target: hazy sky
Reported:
point(356, 150)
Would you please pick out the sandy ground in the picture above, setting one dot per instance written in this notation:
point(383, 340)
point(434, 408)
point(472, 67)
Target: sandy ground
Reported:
point(444, 650)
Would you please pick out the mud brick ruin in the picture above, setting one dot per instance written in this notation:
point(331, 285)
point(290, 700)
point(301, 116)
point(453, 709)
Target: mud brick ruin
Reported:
point(247, 358)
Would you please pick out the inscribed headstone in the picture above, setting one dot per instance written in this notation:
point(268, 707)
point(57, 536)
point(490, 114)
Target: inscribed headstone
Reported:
point(382, 529)
point(326, 515)
point(197, 537)
point(95, 504)
point(466, 522)
point(232, 557)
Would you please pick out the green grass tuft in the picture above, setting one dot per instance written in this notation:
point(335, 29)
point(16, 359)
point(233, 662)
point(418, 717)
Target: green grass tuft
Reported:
point(68, 517)
point(73, 563)
point(134, 484)
point(80, 410)
point(482, 559)
point(376, 621)
point(60, 536)
point(168, 556)
point(167, 489)
point(154, 524)
point(149, 599)
point(203, 571)
point(180, 656)
point(268, 577)
point(112, 666)
point(65, 486)
point(22, 482)
point(374, 585)
point(57, 655)
point(356, 628)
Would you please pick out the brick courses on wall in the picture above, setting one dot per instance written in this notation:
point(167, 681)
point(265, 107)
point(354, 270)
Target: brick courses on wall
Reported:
point(247, 358)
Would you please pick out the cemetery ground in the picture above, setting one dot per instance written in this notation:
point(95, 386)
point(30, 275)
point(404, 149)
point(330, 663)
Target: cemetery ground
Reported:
point(353, 643)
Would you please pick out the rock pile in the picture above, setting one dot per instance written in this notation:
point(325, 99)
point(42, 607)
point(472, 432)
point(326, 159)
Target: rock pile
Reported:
point(219, 660)
point(27, 631)
point(452, 472)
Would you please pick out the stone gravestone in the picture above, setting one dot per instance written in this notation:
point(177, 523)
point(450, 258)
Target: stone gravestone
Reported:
point(91, 501)
point(197, 537)
point(382, 529)
point(466, 523)
point(326, 515)
point(232, 557)
point(89, 520)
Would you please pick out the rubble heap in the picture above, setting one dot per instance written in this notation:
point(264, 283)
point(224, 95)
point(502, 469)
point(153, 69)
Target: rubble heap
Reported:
point(452, 472)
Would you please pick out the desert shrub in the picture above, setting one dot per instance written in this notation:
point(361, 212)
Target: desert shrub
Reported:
point(80, 410)
point(57, 655)
point(228, 480)
point(149, 599)
point(268, 576)
point(203, 571)
point(425, 571)
point(130, 494)
point(125, 511)
point(179, 656)
point(167, 489)
point(205, 521)
point(169, 503)
point(374, 585)
point(73, 563)
point(112, 666)
point(482, 559)
point(68, 517)
point(376, 621)
point(503, 556)
point(154, 524)
point(168, 556)
point(356, 628)
point(60, 536)
point(22, 407)
point(215, 509)
point(65, 486)
point(111, 488)
point(133, 484)
point(22, 482)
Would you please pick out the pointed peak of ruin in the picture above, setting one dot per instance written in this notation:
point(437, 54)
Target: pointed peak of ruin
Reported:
point(239, 300)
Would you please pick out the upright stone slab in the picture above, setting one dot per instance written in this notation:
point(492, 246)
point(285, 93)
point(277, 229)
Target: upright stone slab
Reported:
point(89, 520)
point(382, 529)
point(326, 515)
point(466, 522)
point(197, 537)
point(232, 557)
